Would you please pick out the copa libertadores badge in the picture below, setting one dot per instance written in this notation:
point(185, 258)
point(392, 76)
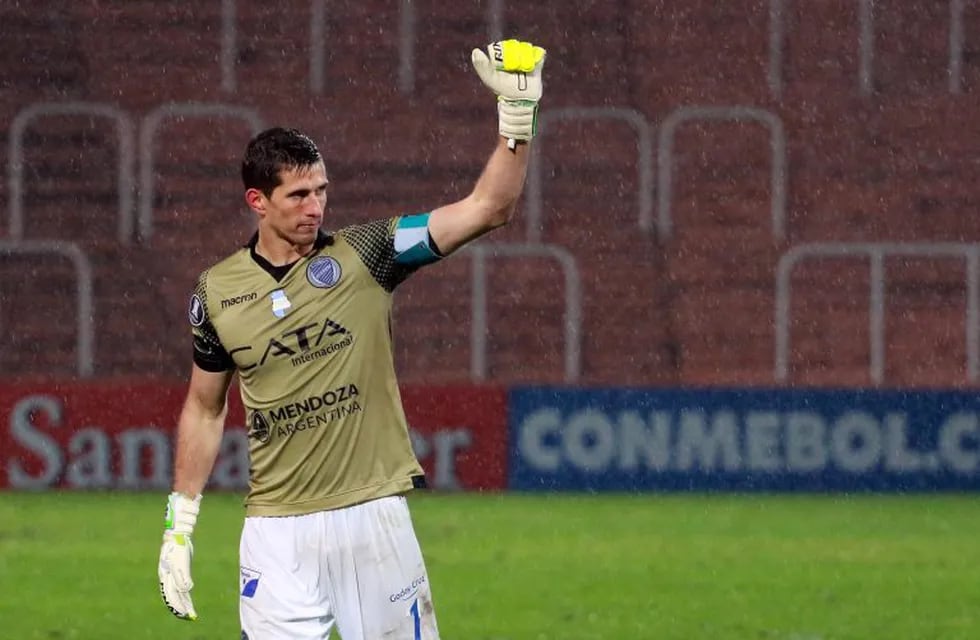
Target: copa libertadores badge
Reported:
point(323, 272)
point(195, 312)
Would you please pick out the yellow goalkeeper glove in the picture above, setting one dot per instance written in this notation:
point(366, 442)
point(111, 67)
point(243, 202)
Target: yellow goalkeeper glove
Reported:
point(512, 70)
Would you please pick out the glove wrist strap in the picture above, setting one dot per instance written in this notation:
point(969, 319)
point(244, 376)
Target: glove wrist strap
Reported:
point(182, 513)
point(518, 119)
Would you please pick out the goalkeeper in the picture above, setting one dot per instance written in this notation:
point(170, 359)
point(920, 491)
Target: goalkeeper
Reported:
point(302, 316)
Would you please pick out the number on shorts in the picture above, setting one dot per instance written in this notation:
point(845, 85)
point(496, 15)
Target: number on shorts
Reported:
point(417, 618)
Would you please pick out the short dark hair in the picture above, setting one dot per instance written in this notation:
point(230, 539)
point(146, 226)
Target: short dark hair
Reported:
point(273, 150)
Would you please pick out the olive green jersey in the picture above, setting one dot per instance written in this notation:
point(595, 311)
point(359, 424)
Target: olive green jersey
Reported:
point(311, 343)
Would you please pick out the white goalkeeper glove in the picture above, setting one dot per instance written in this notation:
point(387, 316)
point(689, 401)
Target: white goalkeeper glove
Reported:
point(174, 569)
point(512, 70)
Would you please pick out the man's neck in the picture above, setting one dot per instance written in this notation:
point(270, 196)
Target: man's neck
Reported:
point(278, 251)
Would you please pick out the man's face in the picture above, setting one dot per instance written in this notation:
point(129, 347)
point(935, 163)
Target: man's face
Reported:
point(295, 209)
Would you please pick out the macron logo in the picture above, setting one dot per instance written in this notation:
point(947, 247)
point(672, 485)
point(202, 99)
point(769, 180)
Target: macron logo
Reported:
point(231, 302)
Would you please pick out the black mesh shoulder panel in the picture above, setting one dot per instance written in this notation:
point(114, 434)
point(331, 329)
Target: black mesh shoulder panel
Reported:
point(209, 353)
point(374, 243)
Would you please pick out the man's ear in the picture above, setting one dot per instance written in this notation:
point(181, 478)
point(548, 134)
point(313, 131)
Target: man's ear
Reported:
point(256, 200)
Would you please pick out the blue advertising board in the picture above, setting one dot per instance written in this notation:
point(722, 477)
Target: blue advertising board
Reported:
point(742, 440)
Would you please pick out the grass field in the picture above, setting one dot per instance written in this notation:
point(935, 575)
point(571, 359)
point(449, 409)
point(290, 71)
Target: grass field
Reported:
point(541, 567)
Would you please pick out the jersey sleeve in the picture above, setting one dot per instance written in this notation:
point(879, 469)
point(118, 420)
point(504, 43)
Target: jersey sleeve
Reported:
point(394, 248)
point(209, 353)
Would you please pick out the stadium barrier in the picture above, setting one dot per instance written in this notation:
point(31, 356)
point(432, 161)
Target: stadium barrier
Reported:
point(119, 436)
point(743, 440)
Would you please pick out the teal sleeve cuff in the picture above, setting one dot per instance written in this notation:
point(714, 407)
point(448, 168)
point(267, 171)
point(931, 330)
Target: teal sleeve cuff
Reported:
point(413, 246)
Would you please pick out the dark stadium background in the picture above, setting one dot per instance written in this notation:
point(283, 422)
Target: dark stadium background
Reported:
point(746, 259)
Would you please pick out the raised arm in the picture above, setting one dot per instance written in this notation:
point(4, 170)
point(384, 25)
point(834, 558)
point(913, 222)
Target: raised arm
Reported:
point(491, 204)
point(512, 70)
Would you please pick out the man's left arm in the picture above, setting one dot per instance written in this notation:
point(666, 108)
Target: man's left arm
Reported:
point(512, 70)
point(491, 204)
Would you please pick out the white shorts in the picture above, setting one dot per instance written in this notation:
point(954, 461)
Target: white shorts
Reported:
point(359, 569)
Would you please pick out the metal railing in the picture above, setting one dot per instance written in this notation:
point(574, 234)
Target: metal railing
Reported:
point(84, 308)
point(318, 46)
point(124, 167)
point(644, 188)
point(147, 145)
point(479, 253)
point(495, 20)
point(956, 39)
point(229, 45)
point(407, 20)
point(777, 35)
point(876, 253)
point(736, 113)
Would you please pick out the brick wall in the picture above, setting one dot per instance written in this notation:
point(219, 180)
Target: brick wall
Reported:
point(889, 160)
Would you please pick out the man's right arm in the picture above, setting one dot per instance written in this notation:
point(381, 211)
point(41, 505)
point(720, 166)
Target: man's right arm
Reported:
point(199, 429)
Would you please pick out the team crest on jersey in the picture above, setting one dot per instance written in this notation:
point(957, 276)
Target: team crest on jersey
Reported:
point(195, 313)
point(280, 303)
point(323, 272)
point(260, 428)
